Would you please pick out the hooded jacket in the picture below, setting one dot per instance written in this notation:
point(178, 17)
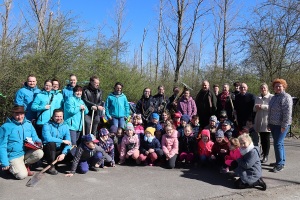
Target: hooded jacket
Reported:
point(205, 148)
point(129, 145)
point(233, 155)
point(117, 106)
point(73, 113)
point(54, 132)
point(188, 144)
point(187, 106)
point(170, 144)
point(24, 97)
point(12, 136)
point(67, 92)
point(146, 145)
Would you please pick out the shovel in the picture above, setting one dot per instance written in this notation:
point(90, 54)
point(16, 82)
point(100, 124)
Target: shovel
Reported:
point(92, 121)
point(38, 176)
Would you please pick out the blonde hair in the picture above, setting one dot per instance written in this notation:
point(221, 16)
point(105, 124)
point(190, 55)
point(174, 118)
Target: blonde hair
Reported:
point(234, 142)
point(245, 136)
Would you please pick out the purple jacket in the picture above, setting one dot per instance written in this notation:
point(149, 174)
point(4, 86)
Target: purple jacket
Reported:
point(187, 107)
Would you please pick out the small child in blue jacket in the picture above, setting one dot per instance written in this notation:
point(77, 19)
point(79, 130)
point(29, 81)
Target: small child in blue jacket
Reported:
point(107, 145)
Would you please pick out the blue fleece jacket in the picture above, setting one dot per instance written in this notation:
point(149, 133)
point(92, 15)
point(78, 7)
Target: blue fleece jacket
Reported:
point(73, 114)
point(54, 132)
point(12, 136)
point(39, 103)
point(24, 97)
point(117, 106)
point(67, 92)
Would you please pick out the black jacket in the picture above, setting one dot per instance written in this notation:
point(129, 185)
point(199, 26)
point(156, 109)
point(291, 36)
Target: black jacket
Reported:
point(92, 97)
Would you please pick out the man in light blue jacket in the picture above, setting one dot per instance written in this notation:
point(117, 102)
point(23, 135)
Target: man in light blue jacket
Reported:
point(56, 139)
point(13, 155)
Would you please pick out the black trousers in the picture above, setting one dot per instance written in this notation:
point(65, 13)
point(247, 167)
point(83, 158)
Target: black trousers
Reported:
point(51, 152)
point(265, 142)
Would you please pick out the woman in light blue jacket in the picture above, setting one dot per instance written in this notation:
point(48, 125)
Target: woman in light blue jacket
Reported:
point(73, 109)
point(117, 106)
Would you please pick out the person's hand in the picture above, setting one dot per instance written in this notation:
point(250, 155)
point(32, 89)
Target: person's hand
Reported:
point(82, 107)
point(61, 157)
point(258, 106)
point(223, 151)
point(213, 157)
point(151, 150)
point(47, 107)
point(67, 142)
point(94, 108)
point(39, 144)
point(69, 175)
point(147, 152)
point(100, 108)
point(5, 168)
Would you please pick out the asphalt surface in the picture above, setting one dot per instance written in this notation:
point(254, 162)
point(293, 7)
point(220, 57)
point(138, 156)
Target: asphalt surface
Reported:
point(145, 182)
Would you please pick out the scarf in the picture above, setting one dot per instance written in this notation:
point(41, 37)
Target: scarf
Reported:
point(224, 96)
point(149, 139)
point(244, 151)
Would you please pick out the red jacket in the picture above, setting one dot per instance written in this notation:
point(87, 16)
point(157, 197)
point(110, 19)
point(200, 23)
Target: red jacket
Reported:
point(204, 148)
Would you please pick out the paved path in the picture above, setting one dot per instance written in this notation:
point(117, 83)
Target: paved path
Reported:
point(144, 182)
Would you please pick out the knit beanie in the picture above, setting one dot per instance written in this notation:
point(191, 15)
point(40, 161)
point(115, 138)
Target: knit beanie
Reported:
point(129, 126)
point(155, 116)
point(219, 133)
point(185, 118)
point(150, 130)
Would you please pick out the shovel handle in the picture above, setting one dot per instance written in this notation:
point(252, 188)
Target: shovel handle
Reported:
point(46, 168)
point(82, 121)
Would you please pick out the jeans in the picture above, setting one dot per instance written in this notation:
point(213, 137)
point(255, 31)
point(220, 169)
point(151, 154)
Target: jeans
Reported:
point(278, 138)
point(118, 122)
point(74, 136)
point(83, 166)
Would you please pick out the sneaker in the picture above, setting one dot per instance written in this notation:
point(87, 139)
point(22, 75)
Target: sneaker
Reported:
point(52, 171)
point(274, 164)
point(278, 168)
point(95, 169)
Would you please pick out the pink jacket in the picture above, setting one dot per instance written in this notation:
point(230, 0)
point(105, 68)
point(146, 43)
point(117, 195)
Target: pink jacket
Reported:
point(204, 149)
point(170, 144)
point(129, 145)
point(139, 129)
point(233, 155)
point(187, 107)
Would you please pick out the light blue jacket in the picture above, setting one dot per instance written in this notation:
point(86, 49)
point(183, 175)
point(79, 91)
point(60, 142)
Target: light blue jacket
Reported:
point(12, 136)
point(54, 132)
point(67, 92)
point(39, 103)
point(58, 99)
point(73, 114)
point(24, 97)
point(117, 106)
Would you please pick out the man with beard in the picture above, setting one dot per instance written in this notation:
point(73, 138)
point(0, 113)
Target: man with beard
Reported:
point(146, 105)
point(92, 97)
point(25, 96)
point(206, 103)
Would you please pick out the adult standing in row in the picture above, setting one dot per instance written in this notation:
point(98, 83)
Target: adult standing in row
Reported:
point(243, 104)
point(161, 100)
point(68, 90)
point(186, 105)
point(225, 102)
point(261, 108)
point(25, 96)
point(117, 106)
point(73, 109)
point(92, 97)
point(206, 103)
point(146, 105)
point(280, 120)
point(13, 155)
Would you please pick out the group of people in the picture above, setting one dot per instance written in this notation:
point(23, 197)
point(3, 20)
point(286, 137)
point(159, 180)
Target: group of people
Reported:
point(220, 130)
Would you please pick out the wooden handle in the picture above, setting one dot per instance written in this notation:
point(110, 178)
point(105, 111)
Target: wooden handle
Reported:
point(82, 119)
point(92, 122)
point(46, 168)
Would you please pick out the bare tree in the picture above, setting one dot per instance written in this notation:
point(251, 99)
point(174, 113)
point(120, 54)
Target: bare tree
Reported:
point(142, 48)
point(160, 21)
point(181, 39)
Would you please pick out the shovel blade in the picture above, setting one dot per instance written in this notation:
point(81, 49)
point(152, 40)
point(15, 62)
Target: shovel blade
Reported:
point(34, 180)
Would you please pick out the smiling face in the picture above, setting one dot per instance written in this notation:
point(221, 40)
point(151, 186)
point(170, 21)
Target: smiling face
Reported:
point(19, 117)
point(48, 86)
point(244, 143)
point(186, 94)
point(118, 89)
point(73, 81)
point(243, 88)
point(31, 81)
point(55, 85)
point(278, 88)
point(205, 85)
point(58, 117)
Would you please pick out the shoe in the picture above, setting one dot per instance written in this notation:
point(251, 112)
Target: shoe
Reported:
point(260, 182)
point(274, 164)
point(224, 170)
point(30, 173)
point(52, 171)
point(95, 169)
point(265, 159)
point(278, 168)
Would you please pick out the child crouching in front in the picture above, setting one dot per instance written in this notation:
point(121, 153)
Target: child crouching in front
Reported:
point(107, 145)
point(87, 155)
point(234, 153)
point(219, 150)
point(130, 145)
point(150, 148)
point(205, 147)
point(170, 145)
point(187, 146)
point(248, 166)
